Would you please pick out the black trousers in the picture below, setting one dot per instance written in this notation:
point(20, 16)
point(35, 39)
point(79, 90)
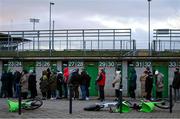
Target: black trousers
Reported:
point(132, 92)
point(148, 94)
point(44, 94)
point(158, 95)
point(60, 93)
point(24, 95)
point(117, 93)
point(101, 93)
point(75, 92)
point(87, 91)
point(65, 88)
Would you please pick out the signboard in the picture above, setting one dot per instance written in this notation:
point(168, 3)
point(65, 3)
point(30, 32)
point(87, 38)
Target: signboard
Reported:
point(106, 64)
point(75, 64)
point(14, 64)
point(42, 64)
point(174, 64)
point(142, 64)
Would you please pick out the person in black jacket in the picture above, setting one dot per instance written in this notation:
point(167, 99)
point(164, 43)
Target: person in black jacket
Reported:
point(59, 85)
point(10, 83)
point(133, 79)
point(17, 77)
point(149, 85)
point(74, 80)
point(4, 93)
point(84, 84)
point(176, 84)
point(32, 84)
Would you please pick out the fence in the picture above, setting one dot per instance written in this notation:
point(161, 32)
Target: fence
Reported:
point(68, 39)
point(166, 40)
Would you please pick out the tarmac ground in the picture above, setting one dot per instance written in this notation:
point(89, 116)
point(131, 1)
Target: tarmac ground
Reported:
point(60, 109)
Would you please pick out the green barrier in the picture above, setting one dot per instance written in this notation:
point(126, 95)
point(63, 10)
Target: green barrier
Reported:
point(13, 106)
point(125, 108)
point(147, 107)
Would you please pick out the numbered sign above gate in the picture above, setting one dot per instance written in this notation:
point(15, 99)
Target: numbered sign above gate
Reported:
point(107, 64)
point(14, 64)
point(42, 64)
point(174, 64)
point(75, 64)
point(142, 64)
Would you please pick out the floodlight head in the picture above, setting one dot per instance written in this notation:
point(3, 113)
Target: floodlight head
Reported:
point(51, 3)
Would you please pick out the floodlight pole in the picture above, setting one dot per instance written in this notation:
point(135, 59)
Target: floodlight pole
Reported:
point(149, 27)
point(34, 21)
point(50, 4)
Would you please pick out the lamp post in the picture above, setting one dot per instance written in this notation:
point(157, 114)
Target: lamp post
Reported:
point(149, 27)
point(50, 4)
point(34, 21)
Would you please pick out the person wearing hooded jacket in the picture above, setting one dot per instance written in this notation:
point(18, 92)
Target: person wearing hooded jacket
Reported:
point(59, 84)
point(65, 83)
point(116, 84)
point(74, 80)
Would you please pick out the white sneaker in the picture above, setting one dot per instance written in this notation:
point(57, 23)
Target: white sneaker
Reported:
point(87, 98)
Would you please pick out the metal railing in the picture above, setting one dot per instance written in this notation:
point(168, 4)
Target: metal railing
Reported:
point(166, 40)
point(67, 39)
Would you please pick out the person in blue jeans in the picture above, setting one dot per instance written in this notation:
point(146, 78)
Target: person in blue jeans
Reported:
point(84, 85)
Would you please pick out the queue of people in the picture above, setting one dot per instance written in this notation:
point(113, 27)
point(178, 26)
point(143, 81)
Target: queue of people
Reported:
point(10, 84)
point(55, 84)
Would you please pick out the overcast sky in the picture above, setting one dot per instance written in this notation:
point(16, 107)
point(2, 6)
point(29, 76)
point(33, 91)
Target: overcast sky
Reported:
point(15, 15)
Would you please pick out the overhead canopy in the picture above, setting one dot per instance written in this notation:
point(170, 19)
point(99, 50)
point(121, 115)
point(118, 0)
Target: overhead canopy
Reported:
point(5, 37)
point(9, 42)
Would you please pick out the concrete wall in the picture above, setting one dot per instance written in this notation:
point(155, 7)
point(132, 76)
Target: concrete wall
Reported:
point(110, 74)
point(124, 77)
point(59, 66)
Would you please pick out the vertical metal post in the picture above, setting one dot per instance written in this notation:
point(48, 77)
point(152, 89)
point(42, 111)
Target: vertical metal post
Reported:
point(67, 40)
point(38, 40)
point(33, 36)
point(130, 39)
point(120, 97)
point(8, 40)
point(113, 39)
point(19, 99)
point(53, 36)
point(83, 40)
point(23, 41)
point(91, 45)
point(149, 27)
point(170, 40)
point(170, 98)
point(98, 39)
point(51, 3)
point(70, 99)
